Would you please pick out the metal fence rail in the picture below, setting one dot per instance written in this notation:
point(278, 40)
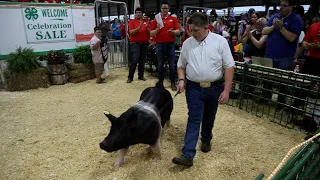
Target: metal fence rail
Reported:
point(287, 98)
point(117, 53)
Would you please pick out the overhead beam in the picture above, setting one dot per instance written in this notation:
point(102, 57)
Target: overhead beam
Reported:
point(200, 3)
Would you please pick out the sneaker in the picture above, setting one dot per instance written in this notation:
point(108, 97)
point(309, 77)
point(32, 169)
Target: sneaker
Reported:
point(205, 147)
point(183, 161)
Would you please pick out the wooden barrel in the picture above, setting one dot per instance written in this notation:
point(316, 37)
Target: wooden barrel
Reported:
point(58, 73)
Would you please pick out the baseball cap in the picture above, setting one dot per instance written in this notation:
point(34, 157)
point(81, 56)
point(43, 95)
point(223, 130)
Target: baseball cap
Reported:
point(251, 10)
point(225, 34)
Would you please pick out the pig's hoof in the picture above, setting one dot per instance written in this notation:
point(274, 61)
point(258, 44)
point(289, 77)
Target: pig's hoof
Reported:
point(118, 164)
point(149, 150)
point(157, 157)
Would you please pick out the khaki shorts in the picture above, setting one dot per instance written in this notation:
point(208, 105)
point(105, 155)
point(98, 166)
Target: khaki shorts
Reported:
point(98, 67)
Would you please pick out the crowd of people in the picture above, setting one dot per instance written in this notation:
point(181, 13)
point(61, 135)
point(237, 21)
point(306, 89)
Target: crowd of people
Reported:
point(208, 46)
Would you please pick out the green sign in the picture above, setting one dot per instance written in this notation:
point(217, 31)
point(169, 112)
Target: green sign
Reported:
point(48, 24)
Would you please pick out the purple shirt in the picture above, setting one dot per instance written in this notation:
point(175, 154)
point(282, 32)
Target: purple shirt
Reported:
point(277, 45)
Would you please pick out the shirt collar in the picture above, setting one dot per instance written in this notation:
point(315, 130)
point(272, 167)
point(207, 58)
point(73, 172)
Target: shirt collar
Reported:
point(205, 40)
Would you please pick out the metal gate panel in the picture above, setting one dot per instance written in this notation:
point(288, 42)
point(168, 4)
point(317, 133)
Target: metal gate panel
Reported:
point(117, 49)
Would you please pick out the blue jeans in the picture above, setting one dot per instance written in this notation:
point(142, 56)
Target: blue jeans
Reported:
point(202, 105)
point(162, 50)
point(283, 63)
point(138, 55)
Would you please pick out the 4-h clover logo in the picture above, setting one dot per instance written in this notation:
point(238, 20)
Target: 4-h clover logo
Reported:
point(31, 13)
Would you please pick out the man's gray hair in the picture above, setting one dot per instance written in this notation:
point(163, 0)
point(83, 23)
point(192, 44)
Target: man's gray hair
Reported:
point(199, 19)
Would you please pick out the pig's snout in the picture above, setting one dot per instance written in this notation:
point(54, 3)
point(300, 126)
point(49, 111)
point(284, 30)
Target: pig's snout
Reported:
point(103, 146)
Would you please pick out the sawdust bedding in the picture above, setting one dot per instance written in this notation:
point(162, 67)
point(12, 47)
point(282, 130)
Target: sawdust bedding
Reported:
point(54, 133)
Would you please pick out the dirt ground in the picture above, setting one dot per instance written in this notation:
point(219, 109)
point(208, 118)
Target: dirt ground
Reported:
point(54, 133)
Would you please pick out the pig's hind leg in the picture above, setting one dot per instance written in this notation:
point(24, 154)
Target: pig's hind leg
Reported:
point(156, 149)
point(121, 155)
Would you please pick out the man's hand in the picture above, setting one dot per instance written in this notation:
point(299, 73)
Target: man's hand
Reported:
point(180, 87)
point(316, 45)
point(277, 23)
point(224, 97)
point(171, 31)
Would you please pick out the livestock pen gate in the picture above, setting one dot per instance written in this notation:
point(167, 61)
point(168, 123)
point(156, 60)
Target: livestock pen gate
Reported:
point(117, 48)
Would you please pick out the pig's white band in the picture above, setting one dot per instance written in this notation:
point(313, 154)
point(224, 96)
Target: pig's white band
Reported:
point(149, 107)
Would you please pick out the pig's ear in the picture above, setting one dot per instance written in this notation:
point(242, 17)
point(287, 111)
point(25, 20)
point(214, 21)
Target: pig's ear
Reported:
point(110, 116)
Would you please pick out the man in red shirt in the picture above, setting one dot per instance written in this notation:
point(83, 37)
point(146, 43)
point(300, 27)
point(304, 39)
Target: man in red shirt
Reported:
point(312, 42)
point(122, 28)
point(139, 37)
point(164, 39)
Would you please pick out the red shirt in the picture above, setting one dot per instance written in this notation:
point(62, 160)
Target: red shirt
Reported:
point(163, 35)
point(210, 27)
point(313, 35)
point(123, 32)
point(141, 35)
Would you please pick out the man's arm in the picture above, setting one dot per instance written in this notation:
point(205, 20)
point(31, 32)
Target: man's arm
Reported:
point(154, 28)
point(228, 75)
point(177, 29)
point(269, 27)
point(154, 32)
point(295, 30)
point(267, 30)
point(288, 35)
point(228, 66)
point(96, 45)
point(136, 30)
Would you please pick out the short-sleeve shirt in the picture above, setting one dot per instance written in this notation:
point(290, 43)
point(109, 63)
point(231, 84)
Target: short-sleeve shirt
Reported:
point(116, 32)
point(205, 61)
point(141, 35)
point(96, 53)
point(313, 35)
point(277, 45)
point(163, 35)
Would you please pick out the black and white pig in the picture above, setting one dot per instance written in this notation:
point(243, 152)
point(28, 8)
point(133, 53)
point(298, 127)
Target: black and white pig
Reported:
point(142, 123)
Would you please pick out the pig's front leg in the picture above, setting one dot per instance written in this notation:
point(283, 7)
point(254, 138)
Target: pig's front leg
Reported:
point(120, 159)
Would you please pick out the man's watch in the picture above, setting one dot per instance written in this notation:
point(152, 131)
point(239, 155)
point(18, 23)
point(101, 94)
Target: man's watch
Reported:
point(182, 80)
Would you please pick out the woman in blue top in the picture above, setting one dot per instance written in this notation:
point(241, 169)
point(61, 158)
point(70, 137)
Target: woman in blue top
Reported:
point(115, 28)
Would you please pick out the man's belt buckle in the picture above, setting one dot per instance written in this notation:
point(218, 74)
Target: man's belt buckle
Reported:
point(205, 84)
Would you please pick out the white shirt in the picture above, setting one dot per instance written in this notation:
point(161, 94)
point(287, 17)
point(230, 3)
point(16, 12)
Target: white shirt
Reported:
point(205, 61)
point(96, 54)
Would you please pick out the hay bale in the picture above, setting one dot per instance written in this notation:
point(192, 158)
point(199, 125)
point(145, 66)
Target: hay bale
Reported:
point(19, 82)
point(81, 72)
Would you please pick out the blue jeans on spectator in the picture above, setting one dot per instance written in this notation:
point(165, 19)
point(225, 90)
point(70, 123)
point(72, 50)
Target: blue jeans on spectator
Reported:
point(162, 50)
point(202, 105)
point(283, 63)
point(138, 55)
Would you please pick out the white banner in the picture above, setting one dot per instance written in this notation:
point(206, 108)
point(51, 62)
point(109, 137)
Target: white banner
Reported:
point(48, 24)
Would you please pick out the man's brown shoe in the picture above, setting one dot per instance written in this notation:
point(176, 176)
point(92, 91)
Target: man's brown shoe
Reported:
point(129, 80)
point(183, 161)
point(173, 87)
point(142, 79)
